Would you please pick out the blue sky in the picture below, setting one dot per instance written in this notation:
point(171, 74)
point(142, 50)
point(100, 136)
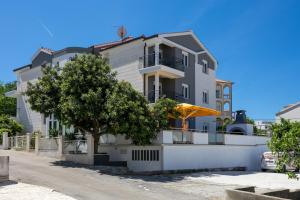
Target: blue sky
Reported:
point(257, 43)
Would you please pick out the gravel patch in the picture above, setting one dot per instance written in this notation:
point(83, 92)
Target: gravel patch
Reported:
point(258, 179)
point(17, 191)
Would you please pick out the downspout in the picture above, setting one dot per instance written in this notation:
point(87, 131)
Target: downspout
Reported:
point(144, 63)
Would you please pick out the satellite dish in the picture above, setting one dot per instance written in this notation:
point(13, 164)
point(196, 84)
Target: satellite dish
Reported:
point(122, 32)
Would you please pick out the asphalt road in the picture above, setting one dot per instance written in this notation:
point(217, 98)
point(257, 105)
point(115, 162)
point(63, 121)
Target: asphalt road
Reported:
point(84, 183)
point(90, 184)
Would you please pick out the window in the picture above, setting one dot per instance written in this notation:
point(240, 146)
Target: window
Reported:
point(185, 59)
point(218, 94)
point(52, 123)
point(185, 91)
point(205, 97)
point(160, 55)
point(205, 127)
point(160, 88)
point(219, 106)
point(218, 91)
point(205, 67)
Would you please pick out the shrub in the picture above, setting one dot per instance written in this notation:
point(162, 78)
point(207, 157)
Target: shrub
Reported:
point(11, 126)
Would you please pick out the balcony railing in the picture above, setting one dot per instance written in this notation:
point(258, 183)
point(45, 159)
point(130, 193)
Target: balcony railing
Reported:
point(169, 61)
point(167, 94)
point(226, 96)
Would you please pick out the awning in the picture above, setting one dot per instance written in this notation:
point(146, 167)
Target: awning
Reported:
point(187, 111)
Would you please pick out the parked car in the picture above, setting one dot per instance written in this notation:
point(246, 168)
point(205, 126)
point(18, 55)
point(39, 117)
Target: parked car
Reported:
point(268, 162)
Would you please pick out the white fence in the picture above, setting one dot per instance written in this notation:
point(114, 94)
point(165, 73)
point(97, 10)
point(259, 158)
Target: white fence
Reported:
point(48, 144)
point(74, 146)
point(172, 150)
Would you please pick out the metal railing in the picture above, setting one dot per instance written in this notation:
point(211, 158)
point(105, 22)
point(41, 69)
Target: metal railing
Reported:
point(32, 143)
point(169, 61)
point(75, 147)
point(226, 96)
point(166, 94)
point(20, 142)
point(182, 137)
point(11, 142)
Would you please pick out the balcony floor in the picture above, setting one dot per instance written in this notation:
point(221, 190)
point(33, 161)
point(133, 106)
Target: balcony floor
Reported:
point(163, 70)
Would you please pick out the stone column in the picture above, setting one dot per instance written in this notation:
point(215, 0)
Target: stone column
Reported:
point(28, 139)
point(90, 148)
point(5, 141)
point(37, 139)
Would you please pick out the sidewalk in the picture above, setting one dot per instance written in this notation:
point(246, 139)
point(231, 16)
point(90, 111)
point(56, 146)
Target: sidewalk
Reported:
point(16, 191)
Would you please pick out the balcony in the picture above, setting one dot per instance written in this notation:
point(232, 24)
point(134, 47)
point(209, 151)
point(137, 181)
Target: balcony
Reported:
point(168, 66)
point(167, 94)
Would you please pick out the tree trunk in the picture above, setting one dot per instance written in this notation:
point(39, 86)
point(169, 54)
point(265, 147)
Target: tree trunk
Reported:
point(96, 142)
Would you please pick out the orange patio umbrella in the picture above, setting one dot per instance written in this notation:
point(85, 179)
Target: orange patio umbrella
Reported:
point(187, 111)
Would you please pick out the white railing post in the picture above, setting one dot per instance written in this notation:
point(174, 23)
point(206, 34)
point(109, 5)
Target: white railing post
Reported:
point(90, 148)
point(28, 139)
point(60, 146)
point(5, 141)
point(37, 141)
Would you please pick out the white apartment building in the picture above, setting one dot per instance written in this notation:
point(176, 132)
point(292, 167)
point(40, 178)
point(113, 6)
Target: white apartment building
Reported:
point(173, 65)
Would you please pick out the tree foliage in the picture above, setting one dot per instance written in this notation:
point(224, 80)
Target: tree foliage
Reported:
point(7, 104)
point(86, 94)
point(285, 143)
point(9, 125)
point(44, 97)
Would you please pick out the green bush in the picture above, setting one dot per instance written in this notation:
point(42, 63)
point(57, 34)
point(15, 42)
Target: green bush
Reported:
point(285, 143)
point(11, 126)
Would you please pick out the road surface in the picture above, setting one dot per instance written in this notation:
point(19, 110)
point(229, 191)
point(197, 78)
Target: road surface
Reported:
point(89, 184)
point(85, 183)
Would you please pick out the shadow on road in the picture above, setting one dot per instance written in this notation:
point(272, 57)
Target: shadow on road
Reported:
point(5, 183)
point(122, 172)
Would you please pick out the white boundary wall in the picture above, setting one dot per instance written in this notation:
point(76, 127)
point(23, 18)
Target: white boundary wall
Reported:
point(245, 140)
point(180, 157)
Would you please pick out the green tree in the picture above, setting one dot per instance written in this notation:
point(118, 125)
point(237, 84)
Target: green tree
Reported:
point(8, 105)
point(9, 125)
point(129, 114)
point(285, 143)
point(86, 94)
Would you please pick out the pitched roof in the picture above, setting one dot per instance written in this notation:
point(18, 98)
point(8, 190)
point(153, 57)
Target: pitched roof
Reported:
point(288, 108)
point(109, 45)
point(103, 46)
point(223, 81)
point(23, 67)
